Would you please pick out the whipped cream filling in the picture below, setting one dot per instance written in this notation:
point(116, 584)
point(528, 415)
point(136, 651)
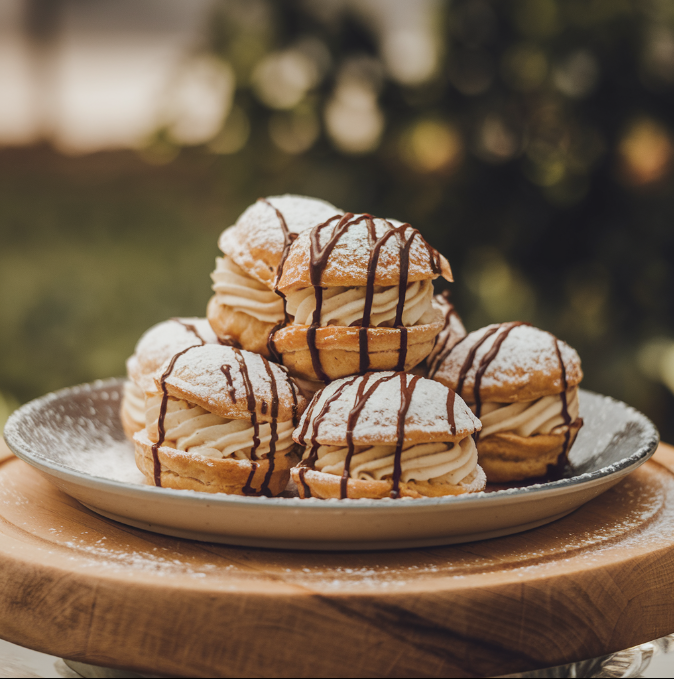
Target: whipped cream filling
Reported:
point(194, 430)
point(234, 288)
point(344, 306)
point(541, 416)
point(134, 402)
point(434, 462)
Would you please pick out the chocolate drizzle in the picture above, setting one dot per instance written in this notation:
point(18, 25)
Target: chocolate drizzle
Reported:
point(250, 402)
point(554, 471)
point(161, 429)
point(362, 396)
point(229, 341)
point(227, 372)
point(315, 445)
point(363, 393)
point(319, 256)
point(440, 353)
point(288, 238)
point(264, 489)
point(557, 470)
point(486, 361)
point(248, 488)
point(191, 328)
point(451, 398)
point(305, 486)
point(251, 405)
point(406, 393)
point(468, 362)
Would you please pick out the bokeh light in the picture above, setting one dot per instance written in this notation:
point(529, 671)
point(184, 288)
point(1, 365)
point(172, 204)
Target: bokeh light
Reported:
point(531, 141)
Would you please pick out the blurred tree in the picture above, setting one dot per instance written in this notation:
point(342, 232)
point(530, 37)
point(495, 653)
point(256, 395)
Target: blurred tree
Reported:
point(531, 141)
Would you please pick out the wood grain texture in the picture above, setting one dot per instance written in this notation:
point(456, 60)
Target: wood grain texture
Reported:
point(80, 586)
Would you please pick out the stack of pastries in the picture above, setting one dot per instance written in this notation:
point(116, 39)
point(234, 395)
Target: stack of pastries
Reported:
point(327, 363)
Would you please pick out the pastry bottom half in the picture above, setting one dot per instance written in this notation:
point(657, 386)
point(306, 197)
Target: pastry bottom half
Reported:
point(326, 486)
point(339, 348)
point(227, 323)
point(185, 471)
point(129, 423)
point(505, 456)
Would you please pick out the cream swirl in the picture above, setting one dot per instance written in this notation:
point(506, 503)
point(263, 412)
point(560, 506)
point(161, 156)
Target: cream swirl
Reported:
point(529, 417)
point(133, 402)
point(194, 430)
point(345, 306)
point(234, 288)
point(440, 462)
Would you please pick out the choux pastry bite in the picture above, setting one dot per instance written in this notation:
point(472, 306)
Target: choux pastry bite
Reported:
point(245, 305)
point(155, 346)
point(522, 383)
point(220, 420)
point(387, 434)
point(359, 297)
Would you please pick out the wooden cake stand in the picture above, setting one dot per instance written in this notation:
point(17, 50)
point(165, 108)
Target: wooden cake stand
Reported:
point(92, 590)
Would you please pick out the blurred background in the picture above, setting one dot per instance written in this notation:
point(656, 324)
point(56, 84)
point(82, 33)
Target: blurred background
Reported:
point(531, 141)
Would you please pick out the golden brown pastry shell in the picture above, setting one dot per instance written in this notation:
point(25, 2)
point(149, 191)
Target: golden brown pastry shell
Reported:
point(339, 348)
point(328, 486)
point(227, 323)
point(348, 263)
point(197, 378)
point(519, 383)
point(506, 456)
point(426, 420)
point(256, 241)
point(184, 471)
point(171, 336)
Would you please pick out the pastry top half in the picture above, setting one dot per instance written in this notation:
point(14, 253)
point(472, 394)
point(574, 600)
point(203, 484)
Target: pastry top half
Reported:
point(339, 253)
point(233, 383)
point(431, 407)
point(161, 342)
point(256, 241)
point(362, 271)
point(517, 363)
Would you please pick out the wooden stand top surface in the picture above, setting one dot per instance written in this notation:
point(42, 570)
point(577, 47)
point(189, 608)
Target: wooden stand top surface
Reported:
point(83, 587)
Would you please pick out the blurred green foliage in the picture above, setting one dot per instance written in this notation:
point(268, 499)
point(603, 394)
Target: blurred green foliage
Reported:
point(536, 154)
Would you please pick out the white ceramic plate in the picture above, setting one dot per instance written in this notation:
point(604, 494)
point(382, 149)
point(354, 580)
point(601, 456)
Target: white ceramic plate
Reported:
point(74, 437)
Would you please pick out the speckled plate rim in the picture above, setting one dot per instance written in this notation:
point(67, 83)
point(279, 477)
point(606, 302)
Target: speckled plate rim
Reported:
point(22, 450)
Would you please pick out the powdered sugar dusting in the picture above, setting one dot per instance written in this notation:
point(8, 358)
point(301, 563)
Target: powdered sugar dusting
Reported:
point(50, 433)
point(161, 342)
point(378, 421)
point(351, 255)
point(259, 227)
point(525, 353)
point(198, 372)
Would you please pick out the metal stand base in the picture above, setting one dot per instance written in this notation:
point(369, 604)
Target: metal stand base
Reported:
point(631, 662)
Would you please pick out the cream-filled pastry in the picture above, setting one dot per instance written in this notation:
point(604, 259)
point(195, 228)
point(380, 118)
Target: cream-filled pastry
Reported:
point(244, 304)
point(522, 383)
point(360, 293)
point(387, 434)
point(155, 346)
point(220, 420)
point(452, 332)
